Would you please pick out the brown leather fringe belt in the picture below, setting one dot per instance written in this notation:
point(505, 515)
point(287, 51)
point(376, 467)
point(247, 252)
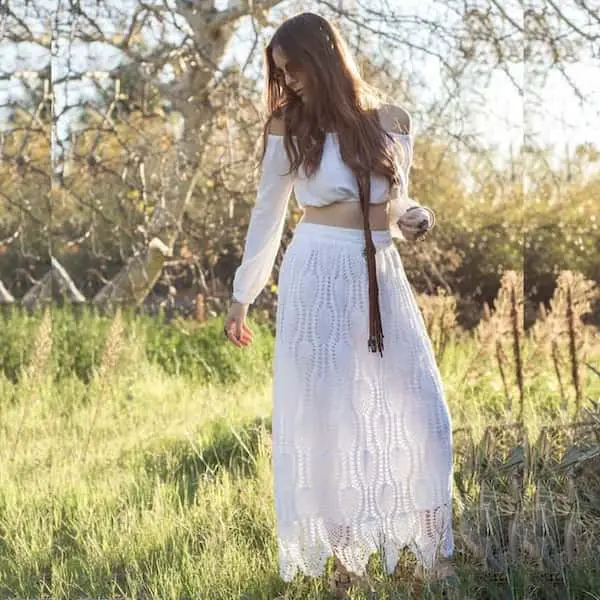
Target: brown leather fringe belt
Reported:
point(375, 341)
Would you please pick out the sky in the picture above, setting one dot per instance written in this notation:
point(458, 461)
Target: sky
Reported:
point(503, 114)
point(500, 115)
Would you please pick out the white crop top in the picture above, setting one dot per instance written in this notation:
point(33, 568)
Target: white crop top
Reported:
point(332, 182)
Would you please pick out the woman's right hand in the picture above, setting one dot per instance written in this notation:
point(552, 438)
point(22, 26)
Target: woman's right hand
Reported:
point(236, 329)
point(416, 222)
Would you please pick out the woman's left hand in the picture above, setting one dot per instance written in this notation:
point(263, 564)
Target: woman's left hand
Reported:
point(236, 328)
point(416, 222)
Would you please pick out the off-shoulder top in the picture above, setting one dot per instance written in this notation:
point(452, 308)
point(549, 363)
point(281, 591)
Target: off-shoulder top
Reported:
point(333, 182)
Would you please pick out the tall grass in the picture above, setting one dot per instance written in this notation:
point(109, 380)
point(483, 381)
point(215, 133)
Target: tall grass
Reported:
point(136, 457)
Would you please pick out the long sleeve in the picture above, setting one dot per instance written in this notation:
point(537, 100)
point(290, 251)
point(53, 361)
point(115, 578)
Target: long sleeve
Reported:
point(266, 223)
point(400, 201)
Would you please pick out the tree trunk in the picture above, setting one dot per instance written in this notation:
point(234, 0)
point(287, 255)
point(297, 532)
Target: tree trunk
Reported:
point(131, 285)
point(55, 285)
point(5, 296)
point(212, 31)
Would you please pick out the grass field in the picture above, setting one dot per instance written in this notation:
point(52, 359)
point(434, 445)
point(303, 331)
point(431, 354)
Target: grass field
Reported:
point(141, 481)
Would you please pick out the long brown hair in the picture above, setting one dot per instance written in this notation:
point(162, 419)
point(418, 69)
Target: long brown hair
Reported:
point(340, 101)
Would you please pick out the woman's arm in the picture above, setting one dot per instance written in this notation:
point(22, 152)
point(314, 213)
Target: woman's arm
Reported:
point(408, 219)
point(267, 220)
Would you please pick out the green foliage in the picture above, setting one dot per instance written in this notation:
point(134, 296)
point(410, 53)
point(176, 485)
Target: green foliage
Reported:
point(79, 337)
point(487, 243)
point(561, 237)
point(202, 352)
point(178, 474)
point(17, 334)
point(77, 340)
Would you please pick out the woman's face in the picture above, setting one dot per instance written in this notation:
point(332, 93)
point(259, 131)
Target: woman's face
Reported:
point(291, 74)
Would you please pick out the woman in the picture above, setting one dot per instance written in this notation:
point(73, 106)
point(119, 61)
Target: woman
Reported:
point(362, 442)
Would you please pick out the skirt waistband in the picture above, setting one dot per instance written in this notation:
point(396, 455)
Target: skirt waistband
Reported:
point(381, 239)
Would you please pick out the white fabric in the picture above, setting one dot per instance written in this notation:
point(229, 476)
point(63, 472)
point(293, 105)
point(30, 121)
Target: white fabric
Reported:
point(362, 446)
point(333, 182)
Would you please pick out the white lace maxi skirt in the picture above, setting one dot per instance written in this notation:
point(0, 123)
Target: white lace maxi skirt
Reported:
point(362, 445)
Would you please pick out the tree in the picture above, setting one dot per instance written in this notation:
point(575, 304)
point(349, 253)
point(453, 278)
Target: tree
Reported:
point(124, 171)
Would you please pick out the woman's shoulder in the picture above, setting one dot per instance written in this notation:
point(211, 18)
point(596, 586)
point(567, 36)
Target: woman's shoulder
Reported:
point(395, 119)
point(276, 122)
point(276, 126)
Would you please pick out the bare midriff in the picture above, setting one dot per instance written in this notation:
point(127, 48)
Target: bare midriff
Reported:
point(348, 214)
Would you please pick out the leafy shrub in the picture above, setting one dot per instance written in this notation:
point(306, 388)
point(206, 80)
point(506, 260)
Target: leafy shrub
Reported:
point(17, 334)
point(198, 351)
point(202, 352)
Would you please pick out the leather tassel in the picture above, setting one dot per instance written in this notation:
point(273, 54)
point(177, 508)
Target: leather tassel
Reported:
point(375, 342)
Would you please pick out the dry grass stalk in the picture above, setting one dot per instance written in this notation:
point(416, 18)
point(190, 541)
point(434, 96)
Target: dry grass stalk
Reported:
point(39, 361)
point(33, 374)
point(439, 314)
point(484, 332)
point(556, 363)
point(563, 326)
point(517, 319)
point(112, 351)
point(112, 347)
point(538, 503)
point(573, 349)
point(506, 322)
point(545, 340)
point(501, 360)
